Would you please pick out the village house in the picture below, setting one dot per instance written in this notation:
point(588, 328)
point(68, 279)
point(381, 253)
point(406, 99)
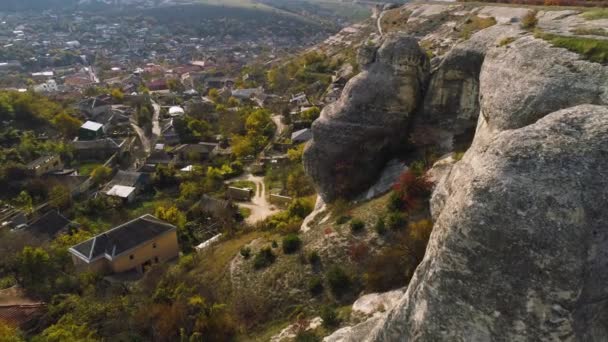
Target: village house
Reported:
point(97, 150)
point(90, 130)
point(49, 225)
point(44, 165)
point(195, 152)
point(132, 246)
point(137, 180)
point(125, 193)
point(299, 100)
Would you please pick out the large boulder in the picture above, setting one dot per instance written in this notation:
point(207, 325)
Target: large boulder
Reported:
point(354, 137)
point(519, 250)
point(527, 79)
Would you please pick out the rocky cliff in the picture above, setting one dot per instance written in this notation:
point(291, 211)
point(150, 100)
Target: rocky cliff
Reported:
point(354, 136)
point(518, 249)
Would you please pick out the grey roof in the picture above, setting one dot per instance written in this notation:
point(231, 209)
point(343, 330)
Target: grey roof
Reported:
point(49, 224)
point(106, 143)
point(199, 148)
point(123, 238)
point(127, 178)
point(40, 161)
point(302, 135)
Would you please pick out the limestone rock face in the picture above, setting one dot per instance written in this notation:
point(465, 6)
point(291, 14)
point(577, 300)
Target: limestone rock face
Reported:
point(453, 92)
point(519, 250)
point(524, 81)
point(353, 137)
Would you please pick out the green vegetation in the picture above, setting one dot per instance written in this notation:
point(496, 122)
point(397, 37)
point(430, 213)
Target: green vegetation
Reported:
point(101, 174)
point(264, 258)
point(506, 41)
point(315, 286)
point(245, 252)
point(474, 24)
point(291, 243)
point(595, 50)
point(299, 73)
point(529, 21)
point(329, 316)
point(584, 31)
point(458, 156)
point(380, 226)
point(357, 226)
point(600, 13)
point(339, 281)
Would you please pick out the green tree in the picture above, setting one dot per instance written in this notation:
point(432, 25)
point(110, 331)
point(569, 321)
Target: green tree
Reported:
point(311, 114)
point(214, 95)
point(67, 330)
point(101, 174)
point(9, 333)
point(298, 183)
point(172, 215)
point(60, 197)
point(117, 95)
point(67, 124)
point(33, 268)
point(242, 146)
point(24, 201)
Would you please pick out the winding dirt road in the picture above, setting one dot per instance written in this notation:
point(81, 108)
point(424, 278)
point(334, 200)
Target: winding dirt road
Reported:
point(259, 205)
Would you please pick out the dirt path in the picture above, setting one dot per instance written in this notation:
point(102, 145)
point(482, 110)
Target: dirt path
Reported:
point(280, 125)
point(259, 205)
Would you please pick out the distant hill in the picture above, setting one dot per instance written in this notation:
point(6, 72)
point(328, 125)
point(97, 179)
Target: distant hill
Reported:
point(23, 5)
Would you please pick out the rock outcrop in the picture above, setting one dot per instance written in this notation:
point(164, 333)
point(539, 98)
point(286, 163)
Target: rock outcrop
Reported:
point(524, 81)
point(519, 247)
point(453, 92)
point(354, 136)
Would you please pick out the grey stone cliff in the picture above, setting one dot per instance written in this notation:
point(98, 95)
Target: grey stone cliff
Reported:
point(354, 136)
point(519, 250)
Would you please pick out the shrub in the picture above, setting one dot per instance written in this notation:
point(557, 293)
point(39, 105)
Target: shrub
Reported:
point(411, 191)
point(274, 244)
point(503, 42)
point(246, 252)
point(475, 24)
point(357, 225)
point(458, 155)
point(343, 219)
point(339, 281)
point(529, 21)
point(314, 258)
point(264, 258)
point(396, 220)
point(358, 251)
point(291, 243)
point(329, 317)
point(307, 336)
point(390, 269)
point(315, 286)
point(380, 227)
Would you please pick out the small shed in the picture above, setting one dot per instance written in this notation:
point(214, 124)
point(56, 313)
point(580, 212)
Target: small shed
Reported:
point(90, 130)
point(239, 194)
point(126, 193)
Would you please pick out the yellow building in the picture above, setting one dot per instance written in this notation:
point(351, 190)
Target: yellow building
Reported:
point(134, 245)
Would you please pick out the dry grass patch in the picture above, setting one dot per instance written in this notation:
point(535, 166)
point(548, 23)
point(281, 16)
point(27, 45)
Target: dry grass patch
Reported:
point(475, 24)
